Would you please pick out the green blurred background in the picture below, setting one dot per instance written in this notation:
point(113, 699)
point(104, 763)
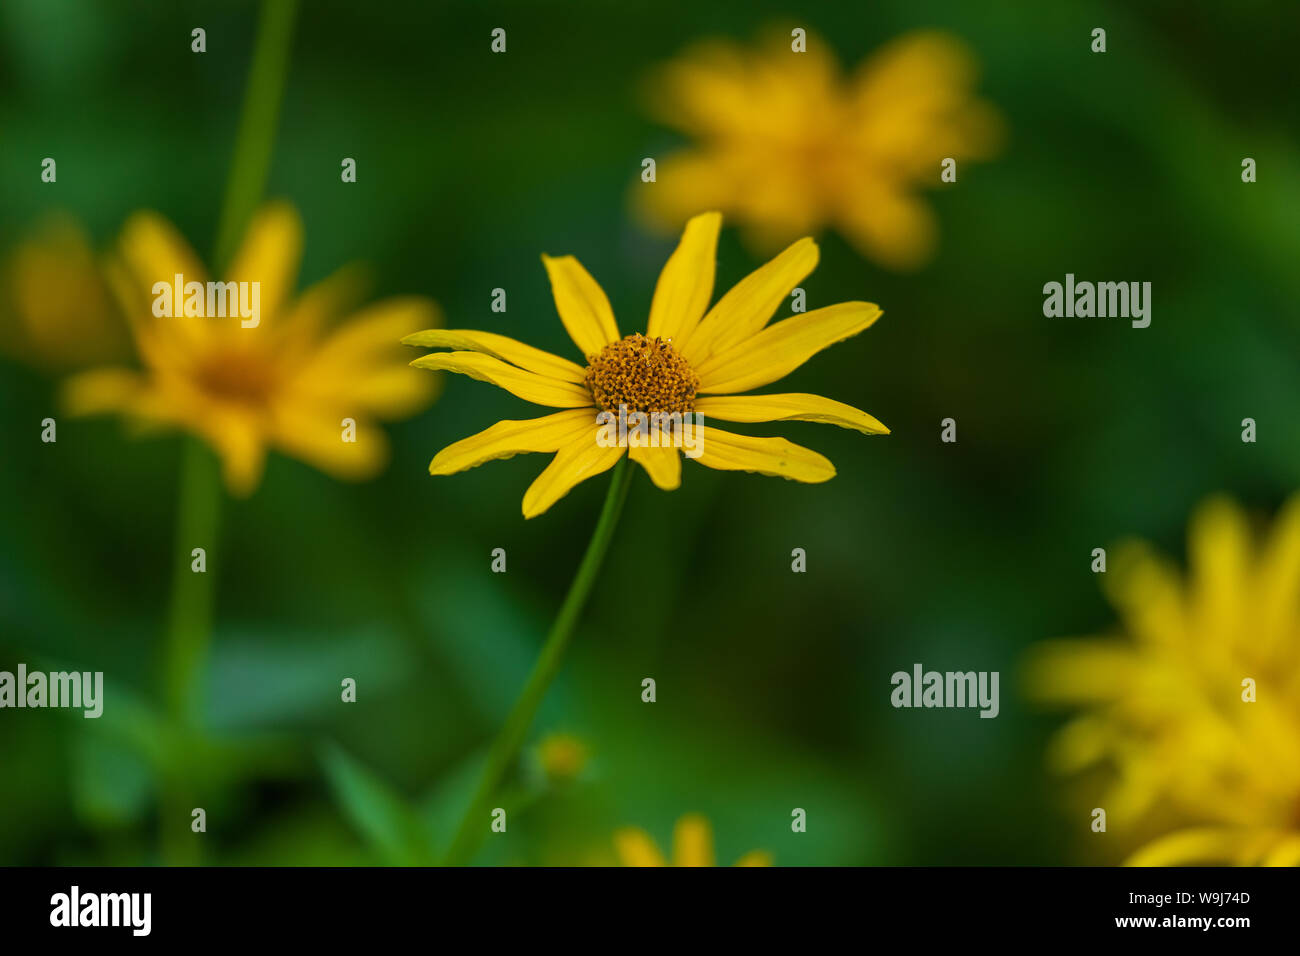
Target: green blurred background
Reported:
point(773, 688)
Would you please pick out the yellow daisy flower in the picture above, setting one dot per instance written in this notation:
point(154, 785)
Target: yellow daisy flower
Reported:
point(692, 846)
point(286, 383)
point(1194, 712)
point(691, 360)
point(59, 314)
point(786, 144)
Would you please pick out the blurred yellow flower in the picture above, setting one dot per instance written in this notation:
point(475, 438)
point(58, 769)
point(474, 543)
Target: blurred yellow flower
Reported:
point(689, 362)
point(562, 756)
point(786, 144)
point(1194, 712)
point(58, 314)
point(287, 383)
point(692, 846)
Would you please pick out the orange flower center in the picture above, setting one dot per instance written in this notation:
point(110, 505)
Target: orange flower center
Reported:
point(646, 375)
point(237, 375)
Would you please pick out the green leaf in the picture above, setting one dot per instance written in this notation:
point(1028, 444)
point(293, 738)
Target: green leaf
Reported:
point(384, 818)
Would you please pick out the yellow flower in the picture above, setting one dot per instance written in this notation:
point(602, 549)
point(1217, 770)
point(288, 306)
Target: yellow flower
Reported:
point(691, 360)
point(1194, 713)
point(692, 846)
point(562, 756)
point(285, 382)
point(786, 144)
point(59, 313)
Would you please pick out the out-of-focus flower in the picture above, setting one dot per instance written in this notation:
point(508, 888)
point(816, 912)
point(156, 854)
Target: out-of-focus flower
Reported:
point(58, 313)
point(562, 757)
point(690, 361)
point(287, 382)
point(1193, 713)
point(692, 846)
point(786, 144)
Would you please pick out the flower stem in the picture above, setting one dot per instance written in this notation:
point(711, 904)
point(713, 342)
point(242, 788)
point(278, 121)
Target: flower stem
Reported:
point(474, 825)
point(189, 630)
point(189, 627)
point(255, 138)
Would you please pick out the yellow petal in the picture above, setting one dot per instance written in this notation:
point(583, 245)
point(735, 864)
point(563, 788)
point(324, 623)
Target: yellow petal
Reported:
point(755, 858)
point(1286, 853)
point(508, 438)
point(891, 227)
point(662, 464)
point(582, 305)
point(767, 456)
point(388, 392)
point(1080, 671)
point(582, 459)
point(374, 334)
point(314, 435)
point(686, 283)
point(780, 349)
point(635, 848)
point(320, 306)
point(527, 385)
point(270, 254)
point(1204, 846)
point(153, 251)
point(750, 304)
point(101, 391)
point(792, 406)
point(1279, 579)
point(238, 440)
point(361, 368)
point(502, 347)
point(692, 841)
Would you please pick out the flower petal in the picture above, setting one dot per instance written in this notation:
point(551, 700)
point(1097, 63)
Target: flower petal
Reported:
point(755, 858)
point(527, 385)
point(153, 251)
point(270, 254)
point(635, 848)
point(240, 443)
point(686, 283)
point(582, 304)
point(502, 347)
point(767, 456)
point(791, 406)
point(750, 304)
point(582, 459)
point(508, 438)
point(311, 434)
point(780, 349)
point(361, 367)
point(101, 391)
point(663, 465)
point(692, 841)
point(1204, 845)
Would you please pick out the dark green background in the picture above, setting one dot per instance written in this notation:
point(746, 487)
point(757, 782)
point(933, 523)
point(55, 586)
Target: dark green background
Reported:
point(773, 687)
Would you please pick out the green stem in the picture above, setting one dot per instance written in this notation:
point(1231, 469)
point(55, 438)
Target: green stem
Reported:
point(474, 825)
point(256, 135)
point(190, 619)
point(189, 627)
point(189, 632)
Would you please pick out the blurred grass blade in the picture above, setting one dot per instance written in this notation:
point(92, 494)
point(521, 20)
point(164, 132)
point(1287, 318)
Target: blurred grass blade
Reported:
point(387, 822)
